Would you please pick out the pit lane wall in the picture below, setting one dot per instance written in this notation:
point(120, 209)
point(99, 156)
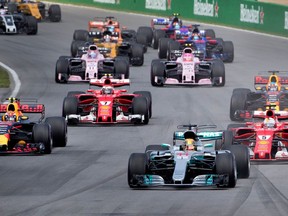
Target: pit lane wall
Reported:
point(245, 14)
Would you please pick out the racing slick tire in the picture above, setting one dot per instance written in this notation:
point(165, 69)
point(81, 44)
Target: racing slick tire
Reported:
point(70, 106)
point(226, 164)
point(121, 67)
point(137, 165)
point(147, 32)
point(228, 51)
point(81, 35)
point(242, 158)
point(172, 45)
point(140, 106)
point(157, 70)
point(31, 25)
point(228, 138)
point(41, 133)
point(210, 33)
point(148, 95)
point(218, 73)
point(238, 102)
point(137, 53)
point(59, 130)
point(141, 39)
point(158, 33)
point(163, 47)
point(62, 67)
point(75, 46)
point(54, 13)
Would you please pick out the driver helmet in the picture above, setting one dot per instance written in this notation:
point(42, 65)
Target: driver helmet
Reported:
point(107, 90)
point(10, 116)
point(176, 25)
point(110, 28)
point(269, 122)
point(107, 38)
point(92, 51)
point(188, 57)
point(190, 144)
point(272, 86)
point(195, 37)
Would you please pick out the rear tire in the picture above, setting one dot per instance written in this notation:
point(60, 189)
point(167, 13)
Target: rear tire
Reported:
point(54, 13)
point(228, 51)
point(121, 67)
point(218, 72)
point(163, 47)
point(158, 33)
point(59, 130)
point(81, 35)
point(157, 70)
point(242, 158)
point(32, 25)
point(137, 52)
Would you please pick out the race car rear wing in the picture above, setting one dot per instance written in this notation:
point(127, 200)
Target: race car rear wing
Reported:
point(107, 81)
point(25, 108)
point(248, 115)
point(261, 81)
point(159, 22)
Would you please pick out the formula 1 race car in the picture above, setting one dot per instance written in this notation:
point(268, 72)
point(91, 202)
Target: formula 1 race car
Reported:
point(271, 92)
point(173, 27)
point(187, 70)
point(36, 9)
point(108, 105)
point(191, 163)
point(111, 44)
point(267, 139)
point(17, 24)
point(99, 23)
point(91, 65)
point(21, 136)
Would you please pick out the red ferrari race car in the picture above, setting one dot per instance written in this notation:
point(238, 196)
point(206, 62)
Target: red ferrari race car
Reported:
point(108, 105)
point(19, 135)
point(267, 139)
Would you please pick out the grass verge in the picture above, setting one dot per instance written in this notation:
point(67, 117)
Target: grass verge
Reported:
point(4, 78)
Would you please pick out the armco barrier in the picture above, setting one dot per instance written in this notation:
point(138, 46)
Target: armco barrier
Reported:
point(245, 14)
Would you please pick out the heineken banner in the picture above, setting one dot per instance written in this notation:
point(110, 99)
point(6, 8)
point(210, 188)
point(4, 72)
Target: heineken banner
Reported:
point(245, 14)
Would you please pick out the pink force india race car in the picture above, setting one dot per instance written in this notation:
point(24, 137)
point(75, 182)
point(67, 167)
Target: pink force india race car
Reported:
point(89, 66)
point(108, 105)
point(187, 70)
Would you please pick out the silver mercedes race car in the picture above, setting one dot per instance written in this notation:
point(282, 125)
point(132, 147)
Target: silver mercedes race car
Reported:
point(176, 165)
